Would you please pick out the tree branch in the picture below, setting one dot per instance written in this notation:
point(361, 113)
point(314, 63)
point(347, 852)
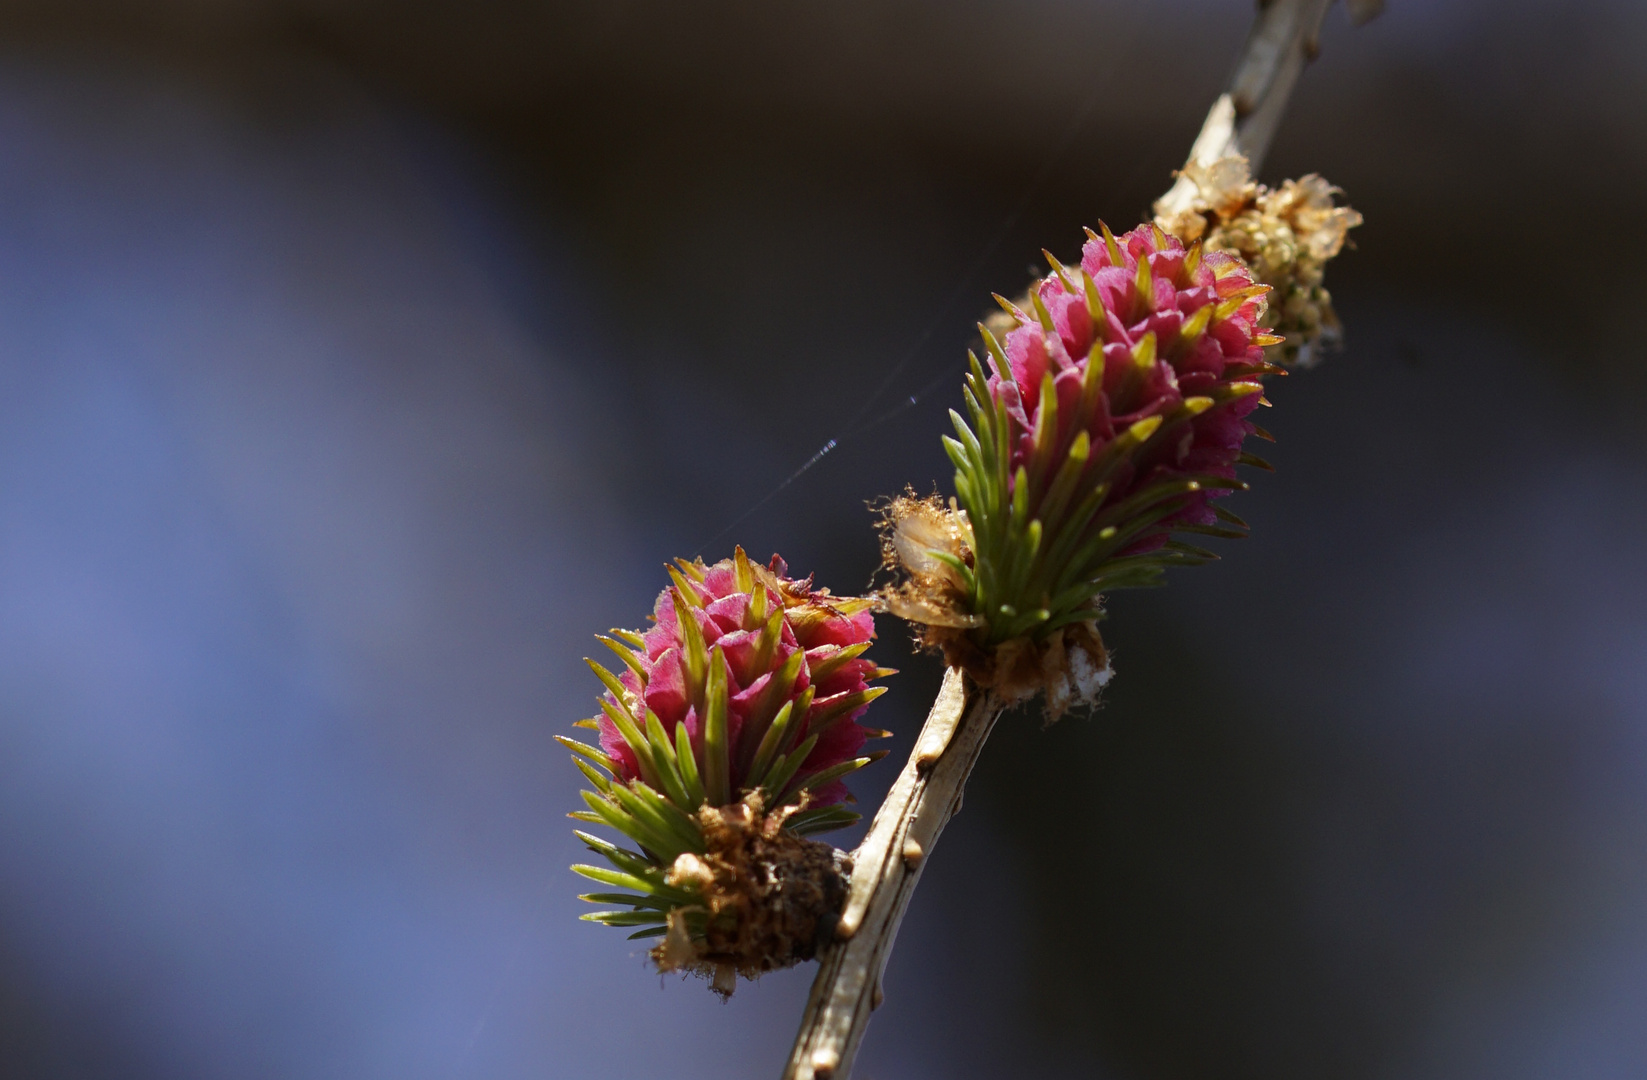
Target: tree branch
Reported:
point(887, 865)
point(885, 869)
point(1244, 118)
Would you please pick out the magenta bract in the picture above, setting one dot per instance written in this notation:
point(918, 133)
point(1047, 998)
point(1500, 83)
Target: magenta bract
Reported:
point(1171, 328)
point(788, 662)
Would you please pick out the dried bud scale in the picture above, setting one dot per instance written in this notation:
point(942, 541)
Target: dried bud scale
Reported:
point(1286, 235)
point(723, 741)
point(769, 898)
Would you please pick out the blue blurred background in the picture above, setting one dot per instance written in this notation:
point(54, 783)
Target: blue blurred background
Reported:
point(359, 359)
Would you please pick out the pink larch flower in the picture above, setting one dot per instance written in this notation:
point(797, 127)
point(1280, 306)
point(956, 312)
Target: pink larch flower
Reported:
point(1175, 334)
point(762, 666)
point(1108, 420)
point(722, 746)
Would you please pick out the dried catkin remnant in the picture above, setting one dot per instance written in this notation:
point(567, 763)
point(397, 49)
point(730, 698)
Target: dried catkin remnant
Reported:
point(1286, 235)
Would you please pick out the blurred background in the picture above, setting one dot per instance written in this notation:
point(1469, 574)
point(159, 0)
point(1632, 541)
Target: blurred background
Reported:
point(359, 359)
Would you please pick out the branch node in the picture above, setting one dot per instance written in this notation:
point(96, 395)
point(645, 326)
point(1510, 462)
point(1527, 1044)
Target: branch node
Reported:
point(912, 853)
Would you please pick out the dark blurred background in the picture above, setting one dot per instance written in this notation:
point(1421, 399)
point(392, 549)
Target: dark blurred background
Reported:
point(358, 360)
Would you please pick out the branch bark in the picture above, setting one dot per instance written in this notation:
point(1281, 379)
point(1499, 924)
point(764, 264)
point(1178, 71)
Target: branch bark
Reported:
point(1244, 118)
point(885, 870)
